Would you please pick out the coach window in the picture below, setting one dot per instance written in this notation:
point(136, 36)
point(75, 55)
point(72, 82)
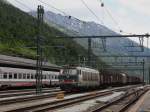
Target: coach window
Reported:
point(24, 76)
point(45, 76)
point(10, 75)
point(31, 76)
point(55, 77)
point(28, 76)
point(19, 76)
point(5, 75)
point(15, 75)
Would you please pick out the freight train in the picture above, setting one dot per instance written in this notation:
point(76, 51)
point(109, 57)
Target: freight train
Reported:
point(83, 78)
point(17, 77)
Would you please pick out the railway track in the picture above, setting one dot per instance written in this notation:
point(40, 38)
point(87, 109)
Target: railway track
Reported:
point(24, 90)
point(66, 102)
point(60, 103)
point(20, 93)
point(121, 104)
point(21, 98)
point(27, 98)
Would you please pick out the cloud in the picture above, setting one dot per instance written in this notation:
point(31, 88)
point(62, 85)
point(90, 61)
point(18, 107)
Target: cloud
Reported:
point(140, 6)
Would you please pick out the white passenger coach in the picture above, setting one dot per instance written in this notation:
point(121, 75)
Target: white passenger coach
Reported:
point(17, 77)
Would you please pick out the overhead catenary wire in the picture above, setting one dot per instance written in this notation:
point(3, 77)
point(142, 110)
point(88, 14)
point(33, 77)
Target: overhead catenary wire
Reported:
point(91, 11)
point(106, 9)
point(111, 16)
point(49, 5)
point(113, 19)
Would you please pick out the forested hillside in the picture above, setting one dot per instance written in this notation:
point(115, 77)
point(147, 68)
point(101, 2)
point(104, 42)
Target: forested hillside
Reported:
point(18, 32)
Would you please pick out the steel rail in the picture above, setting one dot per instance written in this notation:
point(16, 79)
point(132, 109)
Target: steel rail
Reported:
point(139, 93)
point(66, 102)
point(28, 98)
point(60, 103)
point(6, 95)
point(129, 104)
point(23, 90)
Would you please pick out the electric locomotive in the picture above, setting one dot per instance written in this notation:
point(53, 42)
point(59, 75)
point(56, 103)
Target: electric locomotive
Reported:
point(79, 78)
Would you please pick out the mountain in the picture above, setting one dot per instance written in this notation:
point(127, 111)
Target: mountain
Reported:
point(18, 32)
point(114, 46)
point(73, 26)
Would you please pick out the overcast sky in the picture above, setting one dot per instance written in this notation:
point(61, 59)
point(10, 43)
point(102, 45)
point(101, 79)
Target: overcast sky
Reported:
point(131, 16)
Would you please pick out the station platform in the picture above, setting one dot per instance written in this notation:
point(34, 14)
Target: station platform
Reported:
point(143, 105)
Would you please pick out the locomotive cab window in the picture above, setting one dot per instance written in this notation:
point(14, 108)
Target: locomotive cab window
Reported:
point(70, 71)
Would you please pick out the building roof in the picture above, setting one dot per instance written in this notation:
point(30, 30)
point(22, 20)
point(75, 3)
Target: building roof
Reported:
point(12, 61)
